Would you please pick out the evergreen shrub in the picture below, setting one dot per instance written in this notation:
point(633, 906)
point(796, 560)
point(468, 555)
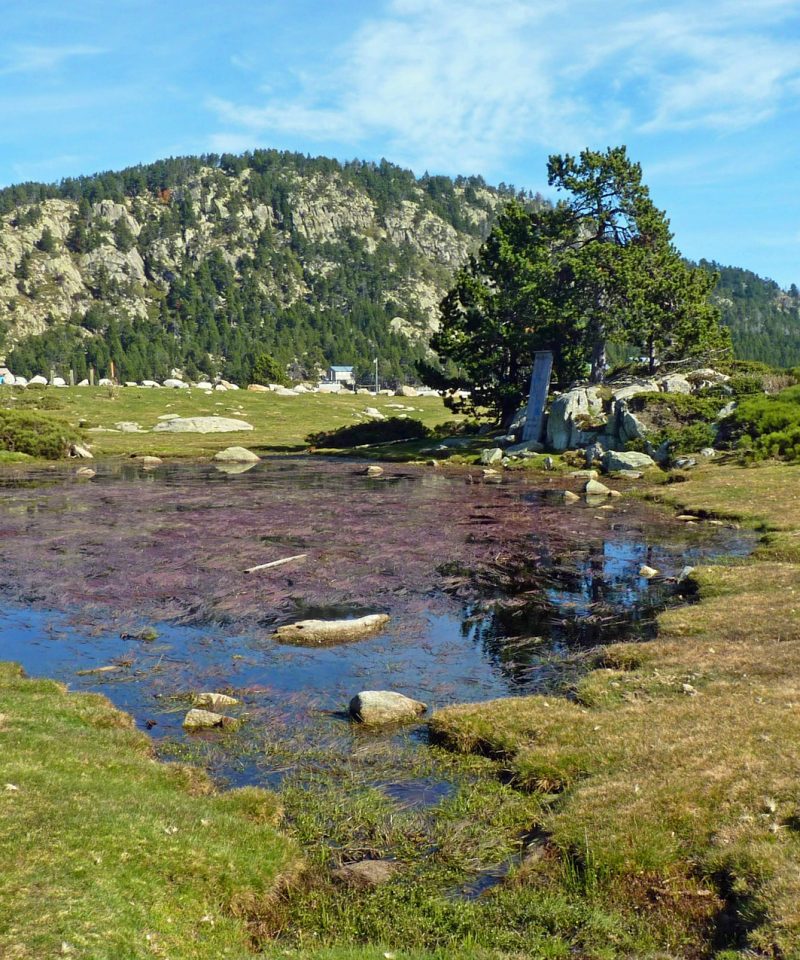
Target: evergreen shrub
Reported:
point(36, 434)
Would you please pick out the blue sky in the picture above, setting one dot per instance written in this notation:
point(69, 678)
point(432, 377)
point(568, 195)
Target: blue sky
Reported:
point(706, 96)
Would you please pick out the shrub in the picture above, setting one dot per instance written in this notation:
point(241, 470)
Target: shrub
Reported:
point(373, 432)
point(37, 434)
point(685, 422)
point(769, 426)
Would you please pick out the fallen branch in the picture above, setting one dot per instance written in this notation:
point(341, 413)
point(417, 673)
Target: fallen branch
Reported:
point(276, 563)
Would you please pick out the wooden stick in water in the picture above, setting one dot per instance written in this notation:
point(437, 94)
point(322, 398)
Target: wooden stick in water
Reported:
point(276, 563)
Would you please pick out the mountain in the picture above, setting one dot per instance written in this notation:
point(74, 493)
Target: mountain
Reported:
point(764, 319)
point(202, 263)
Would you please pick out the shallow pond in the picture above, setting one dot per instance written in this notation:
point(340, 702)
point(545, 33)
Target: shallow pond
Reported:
point(493, 590)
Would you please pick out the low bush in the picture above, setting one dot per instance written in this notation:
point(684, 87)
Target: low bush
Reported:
point(36, 434)
point(764, 427)
point(372, 432)
point(685, 422)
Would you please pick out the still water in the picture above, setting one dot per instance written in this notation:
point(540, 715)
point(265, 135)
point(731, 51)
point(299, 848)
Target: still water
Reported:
point(493, 590)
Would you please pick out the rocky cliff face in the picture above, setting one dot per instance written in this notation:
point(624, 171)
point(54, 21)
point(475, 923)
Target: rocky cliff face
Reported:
point(59, 256)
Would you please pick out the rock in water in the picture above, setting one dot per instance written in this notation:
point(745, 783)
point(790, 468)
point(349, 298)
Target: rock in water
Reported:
point(647, 572)
point(569, 497)
point(236, 455)
point(594, 488)
point(373, 471)
point(201, 425)
point(384, 706)
point(214, 701)
point(320, 632)
point(206, 720)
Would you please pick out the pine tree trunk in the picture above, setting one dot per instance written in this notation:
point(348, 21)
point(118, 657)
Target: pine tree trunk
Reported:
point(598, 371)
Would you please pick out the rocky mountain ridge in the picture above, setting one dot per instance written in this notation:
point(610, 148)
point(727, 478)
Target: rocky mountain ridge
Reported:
point(285, 235)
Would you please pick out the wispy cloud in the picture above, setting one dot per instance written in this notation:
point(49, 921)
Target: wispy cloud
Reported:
point(41, 59)
point(446, 83)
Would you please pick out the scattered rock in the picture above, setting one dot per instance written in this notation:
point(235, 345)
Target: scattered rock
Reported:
point(384, 706)
point(549, 463)
point(214, 701)
point(675, 383)
point(129, 426)
point(176, 384)
point(406, 391)
point(149, 463)
point(594, 488)
point(685, 574)
point(236, 455)
point(584, 474)
point(519, 449)
point(366, 873)
point(76, 450)
point(492, 455)
point(626, 460)
point(569, 497)
point(708, 452)
point(320, 632)
point(629, 474)
point(374, 413)
point(648, 572)
point(258, 388)
point(373, 471)
point(491, 476)
point(86, 472)
point(206, 720)
point(594, 452)
point(684, 463)
point(201, 425)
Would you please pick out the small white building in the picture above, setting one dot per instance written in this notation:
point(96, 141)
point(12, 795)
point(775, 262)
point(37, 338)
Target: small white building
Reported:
point(341, 375)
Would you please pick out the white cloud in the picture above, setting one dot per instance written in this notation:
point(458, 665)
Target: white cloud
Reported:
point(465, 83)
point(39, 59)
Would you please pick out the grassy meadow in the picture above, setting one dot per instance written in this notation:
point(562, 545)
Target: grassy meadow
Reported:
point(280, 424)
point(662, 796)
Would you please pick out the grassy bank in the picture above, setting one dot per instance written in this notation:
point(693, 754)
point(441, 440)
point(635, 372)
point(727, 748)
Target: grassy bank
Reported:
point(280, 424)
point(674, 772)
point(108, 854)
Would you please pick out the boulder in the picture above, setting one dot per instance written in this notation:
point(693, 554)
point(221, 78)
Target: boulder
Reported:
point(569, 497)
point(105, 382)
point(76, 450)
point(627, 390)
point(629, 426)
point(128, 426)
point(203, 385)
point(373, 471)
point(594, 488)
point(647, 572)
point(521, 449)
point(201, 425)
point(38, 381)
point(594, 452)
point(708, 452)
point(374, 707)
point(675, 383)
point(374, 413)
point(236, 455)
point(626, 460)
point(58, 382)
point(176, 384)
point(366, 874)
point(85, 472)
point(406, 391)
point(258, 388)
point(492, 455)
point(233, 469)
point(214, 701)
point(206, 720)
point(684, 463)
point(150, 383)
point(569, 414)
point(149, 463)
point(321, 632)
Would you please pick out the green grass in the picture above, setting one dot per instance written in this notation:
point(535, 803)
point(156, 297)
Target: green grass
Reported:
point(676, 763)
point(114, 855)
point(280, 424)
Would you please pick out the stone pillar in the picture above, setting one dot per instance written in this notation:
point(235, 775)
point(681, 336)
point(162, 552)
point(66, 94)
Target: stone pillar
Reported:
point(537, 398)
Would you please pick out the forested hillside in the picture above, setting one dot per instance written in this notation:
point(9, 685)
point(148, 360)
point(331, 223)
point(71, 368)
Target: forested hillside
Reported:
point(764, 319)
point(205, 263)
